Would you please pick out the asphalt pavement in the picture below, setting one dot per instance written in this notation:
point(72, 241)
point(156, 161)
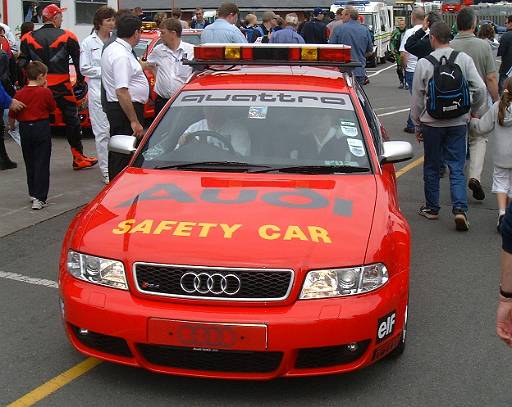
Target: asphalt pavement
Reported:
point(453, 357)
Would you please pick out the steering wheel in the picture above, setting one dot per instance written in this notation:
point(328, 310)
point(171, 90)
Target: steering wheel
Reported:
point(204, 134)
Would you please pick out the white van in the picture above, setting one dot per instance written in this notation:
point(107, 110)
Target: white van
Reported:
point(378, 17)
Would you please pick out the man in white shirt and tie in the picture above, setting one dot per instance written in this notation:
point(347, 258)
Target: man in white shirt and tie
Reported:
point(165, 61)
point(125, 85)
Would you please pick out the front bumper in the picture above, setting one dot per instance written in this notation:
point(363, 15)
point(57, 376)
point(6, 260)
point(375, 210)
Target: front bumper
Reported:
point(308, 337)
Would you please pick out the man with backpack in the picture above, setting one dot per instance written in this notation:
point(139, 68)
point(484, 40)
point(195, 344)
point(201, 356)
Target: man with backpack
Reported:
point(480, 51)
point(446, 88)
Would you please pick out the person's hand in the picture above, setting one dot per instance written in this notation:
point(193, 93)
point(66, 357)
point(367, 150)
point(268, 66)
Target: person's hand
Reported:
point(504, 322)
point(138, 130)
point(16, 105)
point(425, 24)
point(419, 136)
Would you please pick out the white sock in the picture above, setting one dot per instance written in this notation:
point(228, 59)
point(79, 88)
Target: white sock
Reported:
point(502, 212)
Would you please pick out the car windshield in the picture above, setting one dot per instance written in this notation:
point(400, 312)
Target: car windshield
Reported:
point(141, 47)
point(258, 131)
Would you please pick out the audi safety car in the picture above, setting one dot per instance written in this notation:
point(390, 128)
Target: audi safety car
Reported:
point(255, 232)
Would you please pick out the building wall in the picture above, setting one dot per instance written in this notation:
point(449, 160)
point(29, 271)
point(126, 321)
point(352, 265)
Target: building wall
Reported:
point(15, 15)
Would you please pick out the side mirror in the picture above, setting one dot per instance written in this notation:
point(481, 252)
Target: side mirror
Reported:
point(122, 144)
point(396, 151)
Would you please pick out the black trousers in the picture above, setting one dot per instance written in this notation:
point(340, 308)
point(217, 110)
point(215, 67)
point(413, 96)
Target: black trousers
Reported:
point(120, 125)
point(159, 104)
point(66, 101)
point(36, 145)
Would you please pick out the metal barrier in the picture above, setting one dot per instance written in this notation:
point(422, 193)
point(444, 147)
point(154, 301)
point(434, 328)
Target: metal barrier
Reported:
point(497, 13)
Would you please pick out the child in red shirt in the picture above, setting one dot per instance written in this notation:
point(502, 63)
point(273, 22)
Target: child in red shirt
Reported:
point(35, 134)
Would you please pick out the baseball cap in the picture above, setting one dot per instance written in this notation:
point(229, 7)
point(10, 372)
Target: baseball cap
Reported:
point(52, 10)
point(318, 11)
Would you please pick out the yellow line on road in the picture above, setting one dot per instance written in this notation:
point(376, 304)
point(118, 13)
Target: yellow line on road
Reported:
point(80, 369)
point(410, 166)
point(56, 383)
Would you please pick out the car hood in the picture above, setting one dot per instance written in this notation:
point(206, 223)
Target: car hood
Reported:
point(244, 220)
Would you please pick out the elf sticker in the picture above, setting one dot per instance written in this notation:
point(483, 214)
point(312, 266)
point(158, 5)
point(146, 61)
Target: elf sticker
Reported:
point(385, 326)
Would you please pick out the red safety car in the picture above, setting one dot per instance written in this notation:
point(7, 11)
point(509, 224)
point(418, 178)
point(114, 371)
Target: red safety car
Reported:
point(256, 231)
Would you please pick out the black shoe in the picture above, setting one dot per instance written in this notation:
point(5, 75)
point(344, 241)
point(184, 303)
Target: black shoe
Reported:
point(500, 221)
point(461, 221)
point(428, 213)
point(7, 165)
point(410, 130)
point(476, 187)
point(401, 86)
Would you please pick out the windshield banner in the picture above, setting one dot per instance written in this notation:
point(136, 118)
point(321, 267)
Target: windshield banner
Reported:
point(264, 98)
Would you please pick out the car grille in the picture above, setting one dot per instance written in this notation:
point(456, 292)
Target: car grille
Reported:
point(254, 284)
point(103, 343)
point(215, 361)
point(329, 356)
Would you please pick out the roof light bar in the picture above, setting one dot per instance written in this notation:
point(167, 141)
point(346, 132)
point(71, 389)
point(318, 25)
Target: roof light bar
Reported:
point(274, 54)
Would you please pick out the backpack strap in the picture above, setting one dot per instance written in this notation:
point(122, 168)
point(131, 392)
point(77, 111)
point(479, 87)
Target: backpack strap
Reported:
point(453, 56)
point(432, 59)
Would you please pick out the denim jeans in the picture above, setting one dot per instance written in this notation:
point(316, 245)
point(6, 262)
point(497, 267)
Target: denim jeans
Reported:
point(409, 76)
point(448, 143)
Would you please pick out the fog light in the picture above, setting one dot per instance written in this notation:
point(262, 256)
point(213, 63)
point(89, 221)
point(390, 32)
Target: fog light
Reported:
point(352, 347)
point(84, 331)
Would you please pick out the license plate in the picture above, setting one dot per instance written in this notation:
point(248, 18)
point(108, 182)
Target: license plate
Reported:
point(207, 335)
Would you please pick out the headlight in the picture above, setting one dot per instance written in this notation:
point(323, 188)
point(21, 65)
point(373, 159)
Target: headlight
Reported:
point(342, 282)
point(97, 270)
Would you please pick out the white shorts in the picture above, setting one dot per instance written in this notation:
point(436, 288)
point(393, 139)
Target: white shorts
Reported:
point(502, 181)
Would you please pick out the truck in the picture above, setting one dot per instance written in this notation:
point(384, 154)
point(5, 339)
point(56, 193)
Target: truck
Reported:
point(378, 17)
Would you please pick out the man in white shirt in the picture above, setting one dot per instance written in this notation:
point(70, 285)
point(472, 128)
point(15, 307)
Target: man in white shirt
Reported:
point(165, 60)
point(125, 85)
point(90, 66)
point(409, 60)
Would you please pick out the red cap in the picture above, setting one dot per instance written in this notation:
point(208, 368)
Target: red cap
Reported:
point(52, 10)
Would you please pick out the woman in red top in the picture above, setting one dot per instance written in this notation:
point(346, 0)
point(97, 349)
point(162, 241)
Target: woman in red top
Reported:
point(35, 131)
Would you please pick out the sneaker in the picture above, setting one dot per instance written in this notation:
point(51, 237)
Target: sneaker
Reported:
point(476, 187)
point(461, 222)
point(428, 213)
point(32, 199)
point(80, 161)
point(37, 204)
point(401, 86)
point(500, 220)
point(406, 87)
point(410, 130)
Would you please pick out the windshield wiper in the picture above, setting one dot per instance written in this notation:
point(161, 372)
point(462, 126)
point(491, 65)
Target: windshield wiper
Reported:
point(315, 169)
point(213, 165)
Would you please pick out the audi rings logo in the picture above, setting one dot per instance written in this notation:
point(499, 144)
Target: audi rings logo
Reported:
point(204, 283)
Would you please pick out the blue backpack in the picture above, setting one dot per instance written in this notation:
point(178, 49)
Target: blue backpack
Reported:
point(448, 91)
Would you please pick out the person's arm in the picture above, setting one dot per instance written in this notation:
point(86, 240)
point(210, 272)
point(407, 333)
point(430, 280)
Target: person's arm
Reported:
point(415, 46)
point(504, 313)
point(125, 100)
point(87, 67)
point(369, 44)
point(74, 52)
point(503, 47)
point(419, 86)
point(486, 123)
point(477, 86)
point(491, 81)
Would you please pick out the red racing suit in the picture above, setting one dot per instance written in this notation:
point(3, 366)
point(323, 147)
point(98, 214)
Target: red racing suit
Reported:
point(53, 47)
